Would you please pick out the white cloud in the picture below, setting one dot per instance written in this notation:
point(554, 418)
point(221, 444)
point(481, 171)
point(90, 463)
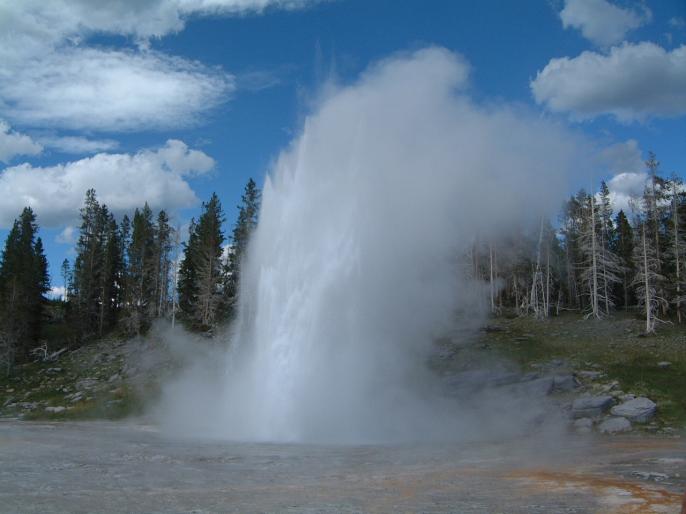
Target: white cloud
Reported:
point(57, 293)
point(632, 82)
point(83, 88)
point(122, 181)
point(626, 188)
point(13, 144)
point(601, 22)
point(67, 236)
point(49, 76)
point(677, 22)
point(78, 144)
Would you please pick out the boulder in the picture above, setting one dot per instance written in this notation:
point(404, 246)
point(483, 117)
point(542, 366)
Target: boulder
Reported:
point(583, 425)
point(638, 410)
point(664, 364)
point(591, 406)
point(564, 383)
point(614, 425)
point(55, 410)
point(590, 375)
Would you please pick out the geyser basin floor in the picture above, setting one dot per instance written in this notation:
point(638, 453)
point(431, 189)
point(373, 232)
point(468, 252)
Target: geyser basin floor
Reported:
point(118, 467)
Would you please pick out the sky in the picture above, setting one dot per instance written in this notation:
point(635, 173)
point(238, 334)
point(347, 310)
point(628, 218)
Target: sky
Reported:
point(169, 101)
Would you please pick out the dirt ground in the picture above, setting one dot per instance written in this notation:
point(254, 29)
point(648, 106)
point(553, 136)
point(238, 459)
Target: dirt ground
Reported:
point(131, 467)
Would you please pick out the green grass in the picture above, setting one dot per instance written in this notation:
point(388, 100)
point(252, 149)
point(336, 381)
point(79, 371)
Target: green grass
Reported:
point(614, 346)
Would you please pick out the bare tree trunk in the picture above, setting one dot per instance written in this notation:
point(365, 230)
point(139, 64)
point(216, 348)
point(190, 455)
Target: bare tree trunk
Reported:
point(492, 282)
point(646, 283)
point(677, 251)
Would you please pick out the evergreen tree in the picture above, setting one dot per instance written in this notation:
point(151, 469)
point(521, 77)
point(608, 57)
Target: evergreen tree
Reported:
point(162, 252)
point(65, 271)
point(676, 249)
point(248, 214)
point(89, 265)
point(201, 282)
point(141, 284)
point(623, 246)
point(23, 282)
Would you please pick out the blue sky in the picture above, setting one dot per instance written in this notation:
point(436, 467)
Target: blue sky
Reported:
point(92, 98)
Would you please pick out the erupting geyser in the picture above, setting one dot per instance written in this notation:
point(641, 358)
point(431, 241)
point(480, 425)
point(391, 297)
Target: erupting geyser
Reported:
point(355, 266)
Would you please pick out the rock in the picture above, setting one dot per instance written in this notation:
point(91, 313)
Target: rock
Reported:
point(28, 405)
point(583, 425)
point(650, 475)
point(564, 383)
point(55, 410)
point(638, 410)
point(114, 378)
point(590, 375)
point(606, 388)
point(86, 383)
point(591, 406)
point(614, 426)
point(664, 364)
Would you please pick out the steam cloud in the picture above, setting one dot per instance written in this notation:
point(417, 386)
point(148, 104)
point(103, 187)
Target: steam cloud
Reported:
point(354, 268)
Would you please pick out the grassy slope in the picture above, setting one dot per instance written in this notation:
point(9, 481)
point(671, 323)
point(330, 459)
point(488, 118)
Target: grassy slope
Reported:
point(614, 346)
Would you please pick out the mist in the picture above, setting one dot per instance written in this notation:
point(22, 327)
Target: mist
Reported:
point(356, 266)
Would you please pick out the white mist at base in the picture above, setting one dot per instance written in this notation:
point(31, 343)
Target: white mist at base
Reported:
point(355, 267)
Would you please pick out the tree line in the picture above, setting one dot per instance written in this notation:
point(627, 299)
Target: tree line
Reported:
point(596, 261)
point(125, 273)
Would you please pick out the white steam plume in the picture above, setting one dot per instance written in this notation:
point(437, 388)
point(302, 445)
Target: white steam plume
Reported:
point(353, 269)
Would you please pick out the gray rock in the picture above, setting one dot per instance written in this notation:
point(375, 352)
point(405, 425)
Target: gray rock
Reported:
point(564, 383)
point(614, 426)
point(591, 406)
point(55, 410)
point(664, 364)
point(650, 475)
point(590, 375)
point(583, 425)
point(638, 410)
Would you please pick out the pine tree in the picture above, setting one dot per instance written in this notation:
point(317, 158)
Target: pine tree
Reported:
point(676, 250)
point(162, 251)
point(141, 284)
point(65, 271)
point(23, 282)
point(201, 282)
point(248, 214)
point(89, 265)
point(623, 246)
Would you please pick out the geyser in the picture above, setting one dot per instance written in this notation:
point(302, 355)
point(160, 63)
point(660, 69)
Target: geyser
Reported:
point(356, 264)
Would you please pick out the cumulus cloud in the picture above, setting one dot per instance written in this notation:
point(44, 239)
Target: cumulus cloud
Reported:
point(602, 22)
point(625, 189)
point(83, 88)
point(67, 236)
point(632, 82)
point(78, 144)
point(57, 293)
point(49, 76)
point(13, 143)
point(122, 181)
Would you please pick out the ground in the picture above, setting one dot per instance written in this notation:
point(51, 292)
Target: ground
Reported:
point(84, 467)
point(54, 461)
